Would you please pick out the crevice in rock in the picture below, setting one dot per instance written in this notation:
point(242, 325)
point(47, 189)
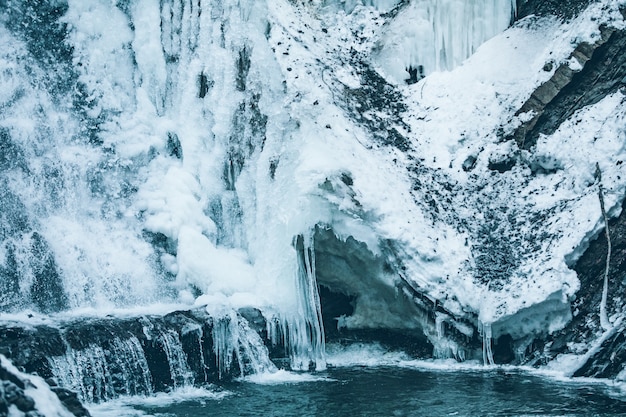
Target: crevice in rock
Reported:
point(366, 298)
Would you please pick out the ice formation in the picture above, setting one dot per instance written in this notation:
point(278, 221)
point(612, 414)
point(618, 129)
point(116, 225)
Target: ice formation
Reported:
point(190, 152)
point(436, 35)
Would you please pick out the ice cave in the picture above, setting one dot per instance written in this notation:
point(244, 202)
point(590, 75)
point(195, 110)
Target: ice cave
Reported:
point(197, 193)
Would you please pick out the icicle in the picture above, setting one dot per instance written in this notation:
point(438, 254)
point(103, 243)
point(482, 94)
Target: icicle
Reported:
point(307, 336)
point(224, 342)
point(444, 348)
point(485, 331)
point(438, 35)
point(604, 319)
point(439, 327)
point(301, 332)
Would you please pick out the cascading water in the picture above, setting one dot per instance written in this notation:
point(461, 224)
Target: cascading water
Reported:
point(99, 375)
point(169, 166)
point(169, 156)
point(104, 358)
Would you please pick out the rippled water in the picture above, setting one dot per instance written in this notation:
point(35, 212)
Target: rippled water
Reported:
point(391, 391)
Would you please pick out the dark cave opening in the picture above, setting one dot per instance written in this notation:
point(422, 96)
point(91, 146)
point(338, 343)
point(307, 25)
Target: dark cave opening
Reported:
point(350, 277)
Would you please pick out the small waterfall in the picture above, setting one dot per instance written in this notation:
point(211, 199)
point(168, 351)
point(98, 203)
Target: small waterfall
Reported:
point(99, 373)
point(253, 354)
point(239, 348)
point(105, 358)
point(176, 359)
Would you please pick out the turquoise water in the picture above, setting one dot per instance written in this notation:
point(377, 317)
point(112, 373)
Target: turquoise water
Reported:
point(392, 391)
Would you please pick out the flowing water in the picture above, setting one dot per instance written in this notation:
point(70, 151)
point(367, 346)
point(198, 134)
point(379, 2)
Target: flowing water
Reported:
point(387, 391)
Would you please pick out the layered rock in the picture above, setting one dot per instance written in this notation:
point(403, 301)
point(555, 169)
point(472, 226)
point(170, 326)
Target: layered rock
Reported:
point(594, 71)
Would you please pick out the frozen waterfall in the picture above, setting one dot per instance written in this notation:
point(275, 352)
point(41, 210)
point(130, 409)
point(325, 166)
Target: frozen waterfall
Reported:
point(438, 35)
point(193, 175)
point(197, 160)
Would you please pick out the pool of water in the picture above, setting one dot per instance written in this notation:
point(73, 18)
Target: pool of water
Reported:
point(387, 391)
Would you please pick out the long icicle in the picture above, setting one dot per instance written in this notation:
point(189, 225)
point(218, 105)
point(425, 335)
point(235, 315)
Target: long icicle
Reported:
point(604, 319)
point(487, 350)
point(309, 346)
point(314, 302)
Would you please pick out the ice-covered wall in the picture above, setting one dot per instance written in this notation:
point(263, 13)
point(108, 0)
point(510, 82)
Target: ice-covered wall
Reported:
point(438, 35)
point(348, 6)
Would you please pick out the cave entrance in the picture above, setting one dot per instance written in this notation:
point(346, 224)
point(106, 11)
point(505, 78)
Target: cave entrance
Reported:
point(359, 297)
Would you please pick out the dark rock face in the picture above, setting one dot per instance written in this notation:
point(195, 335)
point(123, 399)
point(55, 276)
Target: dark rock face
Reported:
point(12, 393)
point(561, 8)
point(103, 358)
point(608, 360)
point(374, 98)
point(70, 400)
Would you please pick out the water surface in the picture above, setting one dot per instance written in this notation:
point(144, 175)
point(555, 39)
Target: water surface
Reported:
point(396, 391)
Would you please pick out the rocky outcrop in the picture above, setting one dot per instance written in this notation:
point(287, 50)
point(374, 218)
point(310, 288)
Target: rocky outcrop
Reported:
point(103, 358)
point(12, 393)
point(604, 354)
point(608, 357)
point(17, 396)
point(561, 8)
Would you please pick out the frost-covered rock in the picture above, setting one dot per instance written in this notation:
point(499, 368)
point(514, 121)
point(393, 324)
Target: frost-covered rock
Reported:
point(28, 395)
point(102, 358)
